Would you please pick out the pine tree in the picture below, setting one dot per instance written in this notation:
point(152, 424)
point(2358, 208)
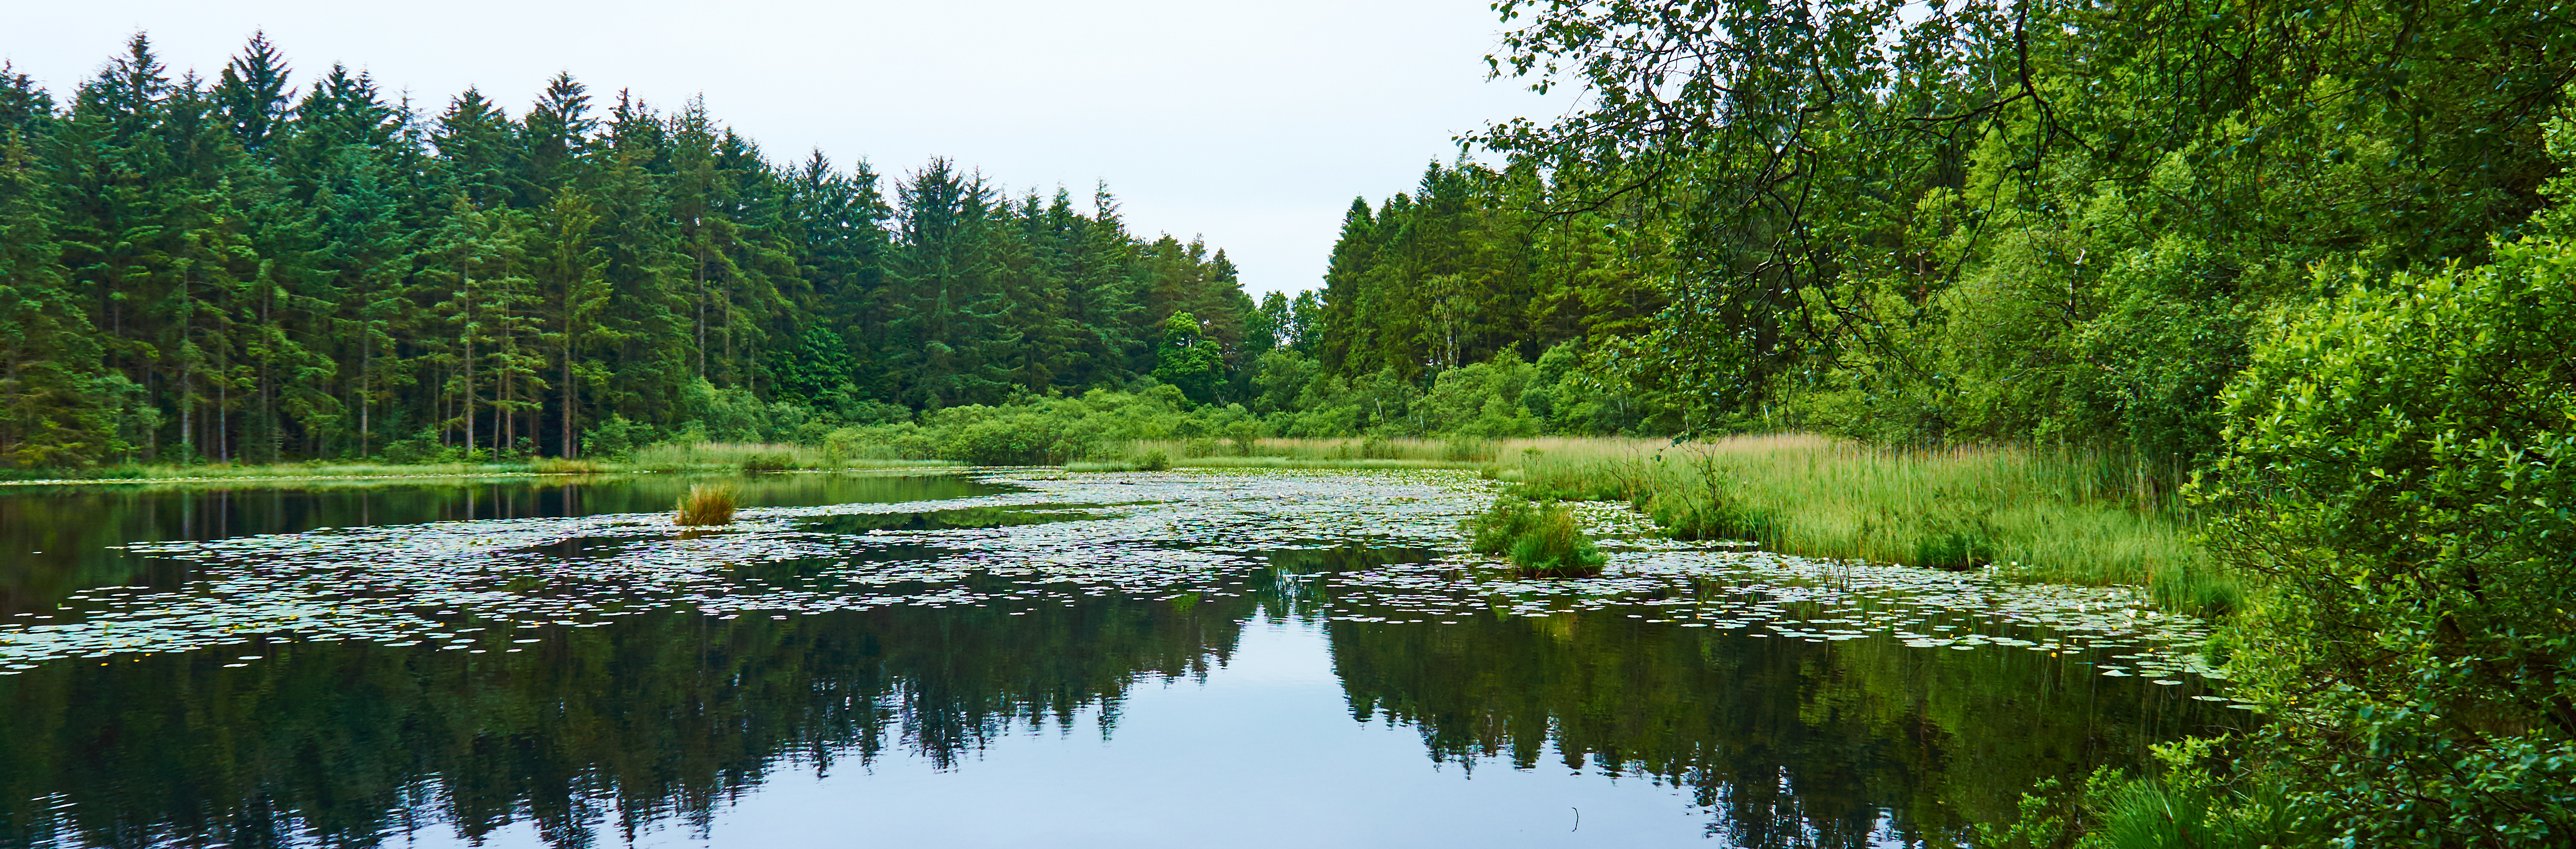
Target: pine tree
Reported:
point(48, 355)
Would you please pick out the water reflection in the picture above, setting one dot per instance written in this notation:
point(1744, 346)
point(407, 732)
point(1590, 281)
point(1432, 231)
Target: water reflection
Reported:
point(58, 540)
point(584, 736)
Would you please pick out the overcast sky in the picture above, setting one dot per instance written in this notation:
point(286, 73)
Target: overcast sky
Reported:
point(1252, 124)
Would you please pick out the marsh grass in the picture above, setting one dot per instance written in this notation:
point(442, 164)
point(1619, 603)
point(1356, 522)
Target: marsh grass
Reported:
point(565, 466)
point(706, 504)
point(1542, 539)
point(1347, 453)
point(700, 456)
point(2035, 515)
point(753, 457)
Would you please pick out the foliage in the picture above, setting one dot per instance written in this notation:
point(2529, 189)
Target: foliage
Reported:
point(2399, 465)
point(2050, 223)
point(1542, 538)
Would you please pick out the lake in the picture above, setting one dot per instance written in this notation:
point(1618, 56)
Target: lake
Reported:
point(1015, 656)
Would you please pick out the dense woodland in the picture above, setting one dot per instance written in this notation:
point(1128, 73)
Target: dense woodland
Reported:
point(233, 269)
point(2318, 256)
point(1995, 223)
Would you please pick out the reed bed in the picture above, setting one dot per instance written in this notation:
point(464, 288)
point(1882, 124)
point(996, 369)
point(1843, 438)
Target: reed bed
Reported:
point(2041, 515)
point(752, 457)
point(1341, 453)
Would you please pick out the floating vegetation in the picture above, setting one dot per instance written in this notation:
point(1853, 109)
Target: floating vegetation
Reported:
point(1053, 539)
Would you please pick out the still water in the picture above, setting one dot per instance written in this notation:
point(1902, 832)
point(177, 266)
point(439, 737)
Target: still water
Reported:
point(1007, 658)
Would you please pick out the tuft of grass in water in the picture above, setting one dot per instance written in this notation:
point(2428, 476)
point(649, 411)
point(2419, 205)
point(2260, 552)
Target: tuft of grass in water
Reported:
point(2062, 517)
point(1542, 539)
point(706, 504)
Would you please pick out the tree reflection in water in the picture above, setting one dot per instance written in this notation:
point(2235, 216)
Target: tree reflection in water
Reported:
point(599, 734)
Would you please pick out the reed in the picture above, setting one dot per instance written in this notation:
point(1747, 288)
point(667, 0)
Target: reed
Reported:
point(2057, 516)
point(706, 504)
point(565, 466)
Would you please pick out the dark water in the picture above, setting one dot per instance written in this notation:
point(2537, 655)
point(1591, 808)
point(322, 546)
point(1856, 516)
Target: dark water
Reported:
point(57, 540)
point(1243, 717)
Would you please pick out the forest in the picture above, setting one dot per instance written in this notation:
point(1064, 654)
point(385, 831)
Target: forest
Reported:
point(2307, 269)
point(231, 270)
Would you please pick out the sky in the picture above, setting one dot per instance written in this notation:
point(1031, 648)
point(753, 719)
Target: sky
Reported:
point(1250, 124)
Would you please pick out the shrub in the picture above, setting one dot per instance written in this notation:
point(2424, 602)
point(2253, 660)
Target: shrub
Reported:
point(706, 504)
point(1500, 525)
point(1542, 539)
point(616, 439)
point(2399, 462)
point(1153, 461)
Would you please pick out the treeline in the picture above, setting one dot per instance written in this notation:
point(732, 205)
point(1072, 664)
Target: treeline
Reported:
point(2052, 223)
point(231, 269)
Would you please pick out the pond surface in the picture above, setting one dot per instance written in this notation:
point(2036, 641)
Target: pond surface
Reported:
point(1015, 657)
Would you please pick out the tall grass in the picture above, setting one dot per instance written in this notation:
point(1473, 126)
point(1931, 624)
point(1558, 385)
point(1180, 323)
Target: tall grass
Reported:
point(2041, 515)
point(1336, 453)
point(751, 456)
point(706, 504)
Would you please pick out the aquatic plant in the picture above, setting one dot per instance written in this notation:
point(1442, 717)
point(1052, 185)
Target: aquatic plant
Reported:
point(2035, 515)
point(1542, 539)
point(706, 504)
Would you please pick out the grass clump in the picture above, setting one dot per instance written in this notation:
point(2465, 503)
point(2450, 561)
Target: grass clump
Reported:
point(706, 504)
point(1541, 538)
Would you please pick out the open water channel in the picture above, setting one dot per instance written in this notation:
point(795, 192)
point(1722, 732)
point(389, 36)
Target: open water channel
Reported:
point(1014, 657)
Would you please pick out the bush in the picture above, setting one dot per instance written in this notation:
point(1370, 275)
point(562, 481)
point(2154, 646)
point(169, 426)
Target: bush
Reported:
point(1542, 539)
point(2401, 462)
point(614, 439)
